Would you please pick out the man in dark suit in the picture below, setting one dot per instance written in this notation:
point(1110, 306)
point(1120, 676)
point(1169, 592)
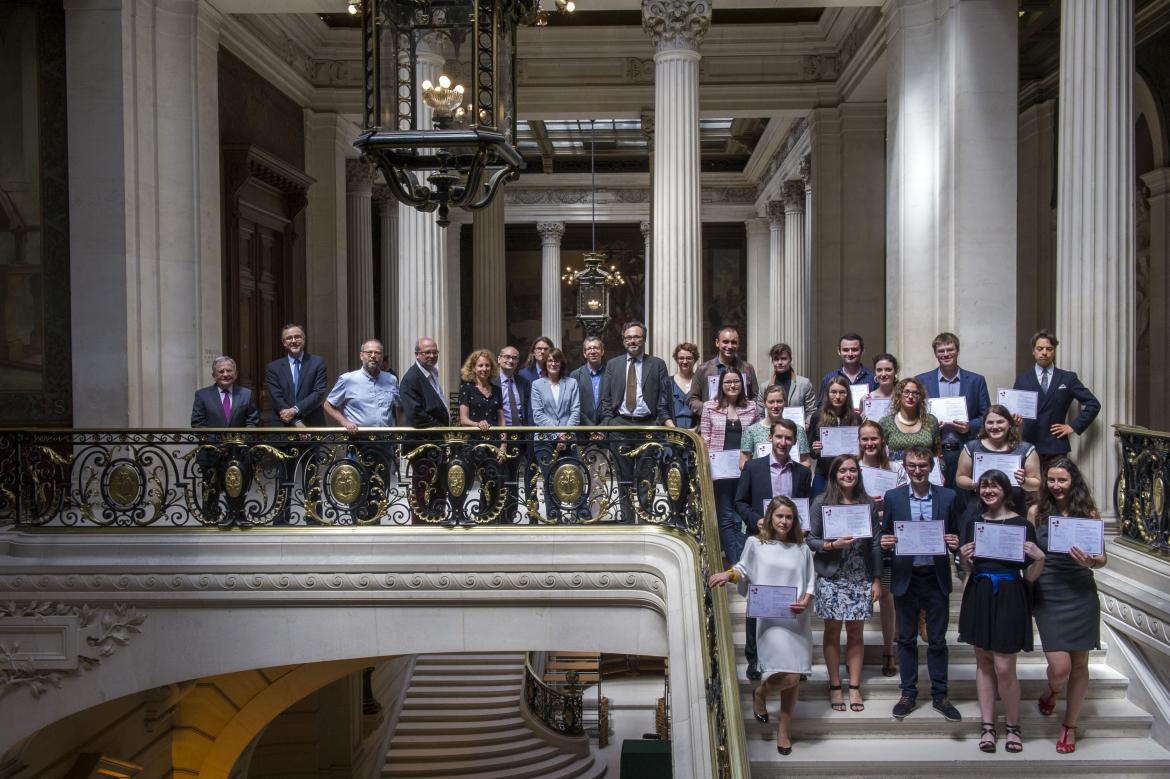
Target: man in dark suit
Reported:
point(517, 392)
point(762, 479)
point(1049, 431)
point(534, 367)
point(635, 390)
point(424, 405)
point(588, 378)
point(949, 381)
point(224, 403)
point(296, 383)
point(708, 375)
point(921, 582)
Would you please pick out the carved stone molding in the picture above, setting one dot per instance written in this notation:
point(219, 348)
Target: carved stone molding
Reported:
point(640, 71)
point(732, 195)
point(1151, 627)
point(798, 129)
point(821, 67)
point(532, 197)
point(66, 639)
point(674, 24)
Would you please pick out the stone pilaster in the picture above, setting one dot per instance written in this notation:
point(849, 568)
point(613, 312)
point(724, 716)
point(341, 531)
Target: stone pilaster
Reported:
point(796, 272)
point(1095, 223)
point(489, 316)
point(775, 277)
point(388, 264)
point(1158, 295)
point(359, 249)
point(759, 305)
point(677, 29)
point(551, 234)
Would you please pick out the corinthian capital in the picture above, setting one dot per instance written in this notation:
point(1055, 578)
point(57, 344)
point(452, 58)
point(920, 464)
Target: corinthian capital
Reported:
point(551, 233)
point(794, 196)
point(359, 176)
point(675, 24)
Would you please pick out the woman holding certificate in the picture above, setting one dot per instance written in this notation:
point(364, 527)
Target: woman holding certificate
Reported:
point(849, 570)
point(779, 560)
point(1068, 611)
point(834, 413)
point(999, 446)
point(999, 550)
point(876, 404)
point(879, 475)
point(908, 423)
point(724, 419)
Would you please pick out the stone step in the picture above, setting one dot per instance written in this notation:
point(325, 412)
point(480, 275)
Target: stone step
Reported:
point(463, 715)
point(441, 751)
point(919, 758)
point(448, 700)
point(476, 659)
point(464, 762)
point(457, 729)
point(442, 741)
point(556, 765)
point(449, 679)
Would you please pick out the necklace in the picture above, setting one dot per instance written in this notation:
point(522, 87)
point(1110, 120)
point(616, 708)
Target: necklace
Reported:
point(907, 422)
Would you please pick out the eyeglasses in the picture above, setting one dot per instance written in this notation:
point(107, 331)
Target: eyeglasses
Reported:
point(633, 338)
point(372, 352)
point(509, 357)
point(915, 466)
point(911, 393)
point(427, 352)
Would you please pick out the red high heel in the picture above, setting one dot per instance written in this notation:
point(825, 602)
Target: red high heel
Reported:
point(1047, 702)
point(1064, 746)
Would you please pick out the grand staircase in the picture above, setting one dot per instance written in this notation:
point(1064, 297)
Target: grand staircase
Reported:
point(461, 718)
point(1114, 737)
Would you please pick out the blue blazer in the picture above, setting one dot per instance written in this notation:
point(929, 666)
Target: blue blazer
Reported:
point(565, 411)
point(311, 390)
point(897, 508)
point(755, 486)
point(1063, 388)
point(972, 387)
point(207, 411)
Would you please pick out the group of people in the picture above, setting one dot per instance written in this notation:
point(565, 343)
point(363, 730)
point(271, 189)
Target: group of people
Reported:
point(891, 463)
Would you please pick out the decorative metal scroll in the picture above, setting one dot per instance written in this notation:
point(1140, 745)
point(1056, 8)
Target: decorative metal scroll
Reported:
point(1142, 487)
point(559, 709)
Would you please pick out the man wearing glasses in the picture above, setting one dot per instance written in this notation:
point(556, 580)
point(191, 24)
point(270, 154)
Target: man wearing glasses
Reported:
point(367, 397)
point(517, 393)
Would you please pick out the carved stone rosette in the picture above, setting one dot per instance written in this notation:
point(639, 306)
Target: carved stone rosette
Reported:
point(675, 24)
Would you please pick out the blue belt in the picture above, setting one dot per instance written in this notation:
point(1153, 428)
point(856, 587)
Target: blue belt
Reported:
point(996, 578)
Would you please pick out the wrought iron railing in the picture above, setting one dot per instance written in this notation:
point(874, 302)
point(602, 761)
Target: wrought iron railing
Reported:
point(560, 708)
point(240, 478)
point(1143, 513)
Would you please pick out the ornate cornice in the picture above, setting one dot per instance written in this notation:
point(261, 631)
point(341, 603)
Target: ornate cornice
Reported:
point(675, 24)
point(793, 136)
point(583, 195)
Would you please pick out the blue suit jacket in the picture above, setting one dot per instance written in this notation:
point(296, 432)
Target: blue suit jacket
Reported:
point(972, 387)
point(1063, 388)
point(207, 411)
point(755, 486)
point(311, 390)
point(897, 508)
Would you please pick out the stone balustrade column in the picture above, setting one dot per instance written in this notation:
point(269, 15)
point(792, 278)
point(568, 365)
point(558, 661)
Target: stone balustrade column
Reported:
point(1158, 294)
point(677, 28)
point(489, 314)
point(359, 249)
point(776, 272)
point(760, 336)
point(1095, 261)
point(388, 265)
point(796, 298)
point(551, 234)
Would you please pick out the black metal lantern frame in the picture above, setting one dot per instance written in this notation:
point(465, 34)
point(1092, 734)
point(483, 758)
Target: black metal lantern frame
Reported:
point(593, 284)
point(467, 153)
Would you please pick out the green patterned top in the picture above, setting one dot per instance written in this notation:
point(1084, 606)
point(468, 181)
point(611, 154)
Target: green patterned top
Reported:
point(758, 434)
point(899, 442)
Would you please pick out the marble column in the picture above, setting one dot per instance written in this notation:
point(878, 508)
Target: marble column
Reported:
point(388, 265)
point(646, 120)
point(776, 272)
point(796, 279)
point(810, 329)
point(1095, 223)
point(759, 304)
point(647, 248)
point(142, 92)
point(451, 357)
point(951, 198)
point(677, 28)
point(489, 314)
point(551, 234)
point(1158, 293)
point(359, 248)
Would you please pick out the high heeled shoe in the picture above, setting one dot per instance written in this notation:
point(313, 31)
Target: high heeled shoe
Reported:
point(1064, 746)
point(1047, 702)
point(888, 667)
point(760, 718)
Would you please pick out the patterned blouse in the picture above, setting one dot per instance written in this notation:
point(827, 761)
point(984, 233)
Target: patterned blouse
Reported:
point(899, 442)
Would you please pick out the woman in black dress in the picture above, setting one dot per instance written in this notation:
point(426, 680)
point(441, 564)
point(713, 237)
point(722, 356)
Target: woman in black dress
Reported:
point(996, 615)
point(836, 411)
point(1068, 610)
point(481, 403)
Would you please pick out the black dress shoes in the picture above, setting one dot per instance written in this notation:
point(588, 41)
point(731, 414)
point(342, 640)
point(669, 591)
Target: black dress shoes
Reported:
point(753, 672)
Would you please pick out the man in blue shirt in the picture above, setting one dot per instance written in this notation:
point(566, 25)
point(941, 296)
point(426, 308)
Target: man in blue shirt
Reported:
point(949, 381)
point(367, 397)
point(588, 378)
point(850, 347)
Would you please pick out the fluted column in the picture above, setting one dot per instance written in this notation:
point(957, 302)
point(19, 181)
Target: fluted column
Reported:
point(451, 355)
point(647, 247)
point(647, 124)
point(388, 264)
point(489, 315)
point(796, 278)
point(776, 271)
point(808, 347)
point(423, 303)
point(1158, 294)
point(359, 248)
point(1095, 223)
point(759, 324)
point(677, 28)
point(551, 234)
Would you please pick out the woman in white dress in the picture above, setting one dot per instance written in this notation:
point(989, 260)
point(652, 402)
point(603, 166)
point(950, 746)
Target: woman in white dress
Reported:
point(778, 556)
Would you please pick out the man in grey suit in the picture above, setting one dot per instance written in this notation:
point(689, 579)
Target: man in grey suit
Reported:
point(635, 390)
point(588, 378)
point(224, 403)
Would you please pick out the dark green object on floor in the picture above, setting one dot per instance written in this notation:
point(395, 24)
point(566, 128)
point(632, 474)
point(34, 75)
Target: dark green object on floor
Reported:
point(645, 759)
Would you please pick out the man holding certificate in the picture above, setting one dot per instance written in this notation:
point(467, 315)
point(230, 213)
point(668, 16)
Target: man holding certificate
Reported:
point(958, 419)
point(1049, 432)
point(920, 526)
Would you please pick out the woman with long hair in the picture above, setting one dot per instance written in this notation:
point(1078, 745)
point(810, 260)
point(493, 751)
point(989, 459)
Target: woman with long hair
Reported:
point(835, 411)
point(996, 613)
point(1065, 601)
point(908, 423)
point(849, 571)
point(1001, 435)
point(534, 367)
point(779, 557)
point(885, 373)
point(725, 417)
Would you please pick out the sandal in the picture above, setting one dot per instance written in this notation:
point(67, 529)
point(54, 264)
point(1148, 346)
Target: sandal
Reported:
point(988, 744)
point(856, 706)
point(1015, 747)
point(761, 718)
point(1064, 746)
point(888, 667)
point(1047, 702)
point(836, 705)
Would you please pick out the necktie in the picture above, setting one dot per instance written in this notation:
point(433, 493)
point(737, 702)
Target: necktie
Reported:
point(435, 384)
point(1044, 380)
point(227, 407)
point(296, 377)
point(513, 412)
point(631, 387)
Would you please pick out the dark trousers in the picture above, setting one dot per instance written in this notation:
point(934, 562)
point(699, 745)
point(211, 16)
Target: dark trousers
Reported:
point(923, 594)
point(625, 467)
point(749, 646)
point(731, 535)
point(950, 466)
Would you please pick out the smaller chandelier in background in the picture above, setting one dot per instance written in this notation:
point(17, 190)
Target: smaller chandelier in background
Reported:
point(593, 284)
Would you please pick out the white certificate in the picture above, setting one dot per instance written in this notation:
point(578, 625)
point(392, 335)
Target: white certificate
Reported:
point(725, 464)
point(795, 413)
point(936, 476)
point(983, 462)
point(1022, 402)
point(948, 409)
point(769, 602)
point(878, 481)
point(765, 448)
point(801, 510)
point(712, 387)
point(839, 521)
point(838, 440)
point(857, 392)
point(1088, 535)
point(875, 408)
point(1000, 542)
point(920, 538)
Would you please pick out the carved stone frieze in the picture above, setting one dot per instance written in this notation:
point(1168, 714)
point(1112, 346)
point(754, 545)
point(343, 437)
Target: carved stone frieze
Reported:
point(798, 129)
point(673, 24)
point(533, 197)
point(730, 195)
point(866, 22)
point(821, 67)
point(640, 71)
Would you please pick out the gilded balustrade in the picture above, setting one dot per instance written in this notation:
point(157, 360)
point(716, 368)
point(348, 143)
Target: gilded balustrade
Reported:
point(1142, 510)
